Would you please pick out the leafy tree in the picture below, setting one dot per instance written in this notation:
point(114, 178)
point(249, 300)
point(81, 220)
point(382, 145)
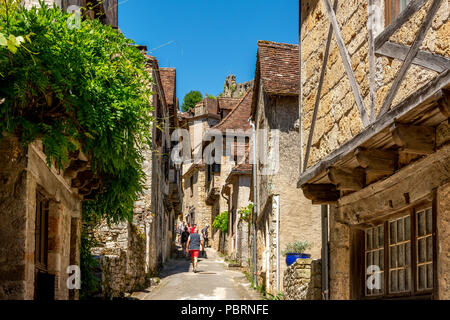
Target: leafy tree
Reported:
point(190, 100)
point(84, 89)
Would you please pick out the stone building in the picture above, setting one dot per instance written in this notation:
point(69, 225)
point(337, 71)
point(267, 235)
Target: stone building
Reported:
point(130, 252)
point(40, 210)
point(166, 203)
point(199, 201)
point(284, 215)
point(104, 10)
point(234, 180)
point(374, 137)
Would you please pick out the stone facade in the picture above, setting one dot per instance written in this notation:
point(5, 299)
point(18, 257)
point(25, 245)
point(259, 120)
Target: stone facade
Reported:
point(26, 179)
point(275, 111)
point(303, 280)
point(338, 119)
point(402, 182)
point(122, 251)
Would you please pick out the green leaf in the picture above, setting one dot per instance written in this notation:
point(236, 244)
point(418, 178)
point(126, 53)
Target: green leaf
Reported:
point(3, 41)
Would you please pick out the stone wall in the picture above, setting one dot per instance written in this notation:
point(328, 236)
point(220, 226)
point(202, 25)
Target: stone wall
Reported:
point(338, 119)
point(299, 219)
point(121, 252)
point(443, 234)
point(23, 174)
point(303, 280)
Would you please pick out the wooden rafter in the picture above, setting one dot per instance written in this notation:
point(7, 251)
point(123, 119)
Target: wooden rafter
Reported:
point(319, 93)
point(376, 161)
point(347, 65)
point(419, 140)
point(410, 56)
point(444, 103)
point(321, 193)
point(427, 93)
point(424, 59)
point(346, 179)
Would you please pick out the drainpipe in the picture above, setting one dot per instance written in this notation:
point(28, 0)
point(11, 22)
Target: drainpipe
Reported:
point(325, 291)
point(255, 207)
point(277, 203)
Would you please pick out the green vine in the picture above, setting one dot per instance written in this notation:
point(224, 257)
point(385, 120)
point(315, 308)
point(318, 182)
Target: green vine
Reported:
point(86, 89)
point(221, 222)
point(246, 212)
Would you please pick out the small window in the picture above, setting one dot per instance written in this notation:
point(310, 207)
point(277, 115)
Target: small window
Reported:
point(399, 253)
point(41, 233)
point(191, 181)
point(393, 9)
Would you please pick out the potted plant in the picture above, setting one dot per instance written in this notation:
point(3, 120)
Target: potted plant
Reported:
point(296, 250)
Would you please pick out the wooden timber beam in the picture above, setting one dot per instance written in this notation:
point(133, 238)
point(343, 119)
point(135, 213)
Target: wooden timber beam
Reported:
point(424, 59)
point(418, 140)
point(376, 161)
point(347, 179)
point(412, 52)
point(75, 167)
point(346, 62)
point(428, 93)
point(412, 7)
point(444, 103)
point(82, 179)
point(321, 193)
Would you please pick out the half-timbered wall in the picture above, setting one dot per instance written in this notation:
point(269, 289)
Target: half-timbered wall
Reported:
point(335, 63)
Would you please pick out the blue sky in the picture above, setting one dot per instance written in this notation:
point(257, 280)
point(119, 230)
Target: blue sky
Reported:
point(206, 40)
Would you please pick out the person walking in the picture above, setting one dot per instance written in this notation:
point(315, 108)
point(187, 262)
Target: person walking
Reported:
point(184, 240)
point(194, 242)
point(205, 235)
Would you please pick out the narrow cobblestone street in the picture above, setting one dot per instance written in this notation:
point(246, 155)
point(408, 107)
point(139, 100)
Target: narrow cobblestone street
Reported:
point(212, 282)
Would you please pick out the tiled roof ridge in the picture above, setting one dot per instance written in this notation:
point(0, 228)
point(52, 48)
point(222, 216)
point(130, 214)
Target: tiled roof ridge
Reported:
point(234, 109)
point(282, 45)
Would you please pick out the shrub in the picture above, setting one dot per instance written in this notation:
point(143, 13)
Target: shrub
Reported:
point(296, 247)
point(221, 222)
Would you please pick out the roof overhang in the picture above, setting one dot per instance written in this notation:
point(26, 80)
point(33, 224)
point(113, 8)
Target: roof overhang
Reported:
point(403, 134)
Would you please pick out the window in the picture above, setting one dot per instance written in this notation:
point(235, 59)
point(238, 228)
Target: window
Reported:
point(192, 185)
point(41, 232)
point(399, 253)
point(393, 8)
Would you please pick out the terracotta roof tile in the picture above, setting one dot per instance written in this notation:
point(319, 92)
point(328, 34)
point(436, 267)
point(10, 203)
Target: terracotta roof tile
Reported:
point(227, 103)
point(169, 83)
point(239, 115)
point(279, 67)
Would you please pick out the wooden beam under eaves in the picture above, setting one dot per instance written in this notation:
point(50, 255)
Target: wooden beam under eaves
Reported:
point(418, 140)
point(347, 179)
point(321, 193)
point(444, 103)
point(376, 161)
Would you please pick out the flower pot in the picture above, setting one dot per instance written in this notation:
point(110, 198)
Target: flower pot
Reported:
point(292, 257)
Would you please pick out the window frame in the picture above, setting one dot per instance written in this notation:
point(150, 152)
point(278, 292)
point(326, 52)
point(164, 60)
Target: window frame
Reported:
point(388, 16)
point(412, 211)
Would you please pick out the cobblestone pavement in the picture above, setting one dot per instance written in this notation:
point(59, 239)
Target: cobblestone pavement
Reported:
point(211, 282)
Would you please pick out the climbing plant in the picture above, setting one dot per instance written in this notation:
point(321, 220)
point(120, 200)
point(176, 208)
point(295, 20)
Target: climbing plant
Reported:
point(81, 89)
point(221, 222)
point(244, 213)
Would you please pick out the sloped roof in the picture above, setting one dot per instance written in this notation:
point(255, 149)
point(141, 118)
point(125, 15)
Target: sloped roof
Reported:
point(169, 83)
point(227, 103)
point(279, 67)
point(239, 115)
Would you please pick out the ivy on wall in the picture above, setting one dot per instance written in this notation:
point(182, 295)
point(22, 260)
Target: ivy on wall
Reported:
point(81, 89)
